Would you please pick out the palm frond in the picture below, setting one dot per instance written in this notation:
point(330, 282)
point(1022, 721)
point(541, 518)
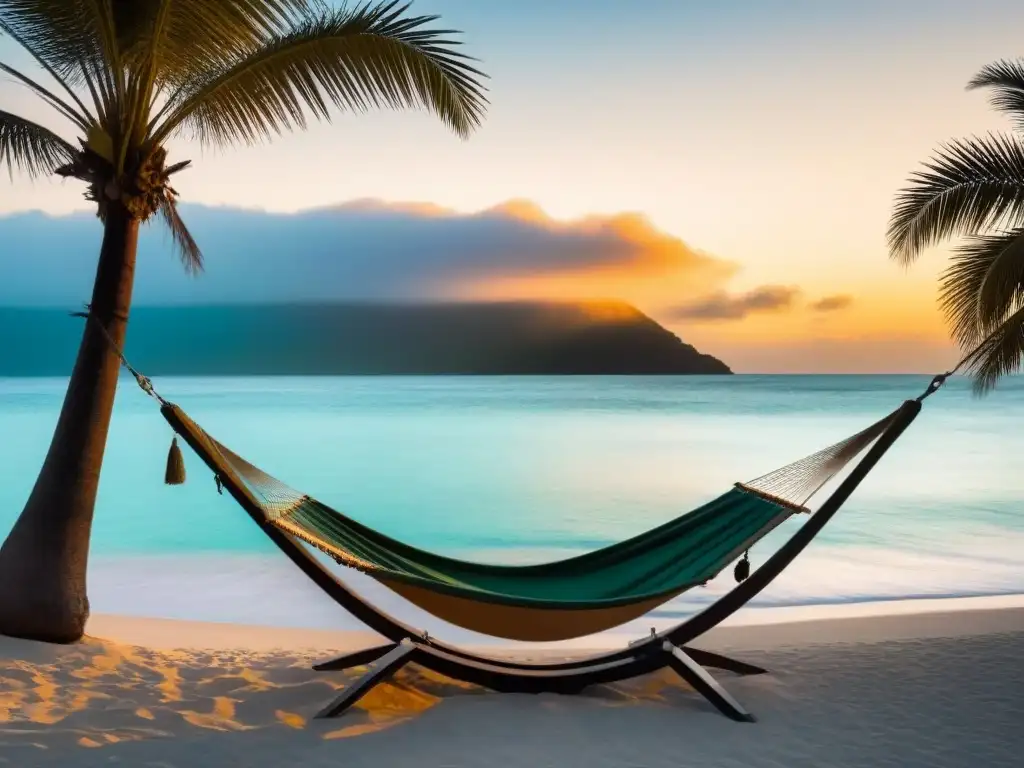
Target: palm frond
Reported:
point(47, 96)
point(188, 38)
point(983, 284)
point(31, 148)
point(188, 251)
point(53, 30)
point(80, 113)
point(1003, 288)
point(123, 50)
point(1006, 79)
point(999, 355)
point(73, 39)
point(170, 43)
point(970, 186)
point(351, 59)
point(178, 167)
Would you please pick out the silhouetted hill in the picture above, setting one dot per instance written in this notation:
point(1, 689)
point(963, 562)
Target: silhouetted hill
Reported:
point(339, 339)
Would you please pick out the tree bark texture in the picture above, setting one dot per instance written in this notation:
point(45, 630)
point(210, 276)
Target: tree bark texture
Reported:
point(44, 558)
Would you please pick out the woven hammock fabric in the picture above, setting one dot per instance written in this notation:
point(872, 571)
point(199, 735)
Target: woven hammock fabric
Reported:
point(688, 551)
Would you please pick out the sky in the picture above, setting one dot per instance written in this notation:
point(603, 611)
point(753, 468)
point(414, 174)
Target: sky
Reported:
point(727, 167)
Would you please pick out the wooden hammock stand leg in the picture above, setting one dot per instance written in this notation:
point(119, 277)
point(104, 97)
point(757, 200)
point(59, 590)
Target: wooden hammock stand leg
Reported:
point(703, 683)
point(356, 658)
point(718, 661)
point(383, 669)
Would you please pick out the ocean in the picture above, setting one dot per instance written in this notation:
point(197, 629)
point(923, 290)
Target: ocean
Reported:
point(523, 469)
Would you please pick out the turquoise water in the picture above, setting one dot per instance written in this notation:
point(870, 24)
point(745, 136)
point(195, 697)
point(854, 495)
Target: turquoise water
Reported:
point(525, 469)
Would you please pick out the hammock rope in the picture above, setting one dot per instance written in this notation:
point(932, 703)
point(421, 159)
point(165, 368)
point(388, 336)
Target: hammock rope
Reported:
point(143, 381)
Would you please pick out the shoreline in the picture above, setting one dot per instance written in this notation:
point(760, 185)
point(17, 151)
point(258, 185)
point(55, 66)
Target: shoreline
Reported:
point(753, 628)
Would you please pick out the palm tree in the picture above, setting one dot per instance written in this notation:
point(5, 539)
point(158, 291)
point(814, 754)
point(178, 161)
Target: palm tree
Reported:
point(130, 76)
point(975, 188)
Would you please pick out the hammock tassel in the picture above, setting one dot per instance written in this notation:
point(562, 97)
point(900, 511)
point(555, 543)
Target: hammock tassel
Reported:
point(742, 569)
point(175, 474)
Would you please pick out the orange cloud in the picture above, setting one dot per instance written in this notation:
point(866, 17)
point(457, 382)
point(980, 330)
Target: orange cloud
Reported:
point(832, 303)
point(626, 257)
point(722, 306)
point(886, 328)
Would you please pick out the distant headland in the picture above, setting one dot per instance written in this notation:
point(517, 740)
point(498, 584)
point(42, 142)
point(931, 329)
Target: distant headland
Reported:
point(513, 338)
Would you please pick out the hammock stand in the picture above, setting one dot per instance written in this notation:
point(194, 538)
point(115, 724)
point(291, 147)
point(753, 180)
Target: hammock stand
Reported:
point(669, 648)
point(663, 649)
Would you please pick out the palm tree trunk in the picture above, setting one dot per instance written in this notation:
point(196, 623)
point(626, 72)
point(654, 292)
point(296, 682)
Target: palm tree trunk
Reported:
point(43, 561)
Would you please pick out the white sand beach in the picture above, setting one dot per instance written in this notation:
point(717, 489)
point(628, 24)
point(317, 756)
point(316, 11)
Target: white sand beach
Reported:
point(923, 683)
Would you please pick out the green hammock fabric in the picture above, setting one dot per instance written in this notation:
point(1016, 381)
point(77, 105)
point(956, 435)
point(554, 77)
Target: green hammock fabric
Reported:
point(683, 553)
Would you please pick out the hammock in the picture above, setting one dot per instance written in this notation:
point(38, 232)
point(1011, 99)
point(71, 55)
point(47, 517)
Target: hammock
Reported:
point(563, 599)
point(558, 600)
point(552, 601)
